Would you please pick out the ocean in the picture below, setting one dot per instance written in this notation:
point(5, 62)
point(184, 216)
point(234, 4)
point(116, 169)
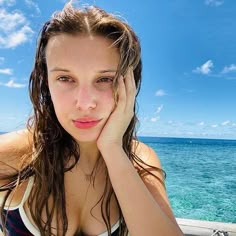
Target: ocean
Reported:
point(201, 176)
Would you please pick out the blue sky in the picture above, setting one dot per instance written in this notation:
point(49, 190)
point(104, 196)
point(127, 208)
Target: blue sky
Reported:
point(189, 58)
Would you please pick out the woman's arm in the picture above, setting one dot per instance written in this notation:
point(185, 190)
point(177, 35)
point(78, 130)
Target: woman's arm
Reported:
point(143, 201)
point(155, 186)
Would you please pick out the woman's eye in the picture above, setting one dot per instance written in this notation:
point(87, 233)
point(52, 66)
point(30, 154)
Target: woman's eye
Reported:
point(105, 80)
point(65, 79)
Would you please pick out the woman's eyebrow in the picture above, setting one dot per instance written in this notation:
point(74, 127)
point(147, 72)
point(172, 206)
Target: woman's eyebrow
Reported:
point(106, 71)
point(66, 70)
point(58, 69)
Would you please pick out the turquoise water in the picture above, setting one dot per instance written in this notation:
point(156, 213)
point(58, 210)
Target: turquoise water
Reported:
point(201, 177)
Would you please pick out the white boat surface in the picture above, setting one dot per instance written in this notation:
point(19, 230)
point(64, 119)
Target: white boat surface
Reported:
point(206, 228)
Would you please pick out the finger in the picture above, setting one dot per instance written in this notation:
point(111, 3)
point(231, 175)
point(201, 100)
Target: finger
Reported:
point(130, 89)
point(121, 94)
point(133, 79)
point(130, 82)
point(128, 79)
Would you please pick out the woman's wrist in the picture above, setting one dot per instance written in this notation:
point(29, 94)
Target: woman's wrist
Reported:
point(109, 145)
point(110, 149)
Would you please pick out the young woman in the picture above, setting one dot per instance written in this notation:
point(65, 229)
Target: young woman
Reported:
point(79, 170)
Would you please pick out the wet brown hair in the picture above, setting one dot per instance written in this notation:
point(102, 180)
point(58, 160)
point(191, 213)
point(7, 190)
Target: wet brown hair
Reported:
point(53, 147)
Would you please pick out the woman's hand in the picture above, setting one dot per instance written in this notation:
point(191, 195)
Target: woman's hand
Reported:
point(119, 119)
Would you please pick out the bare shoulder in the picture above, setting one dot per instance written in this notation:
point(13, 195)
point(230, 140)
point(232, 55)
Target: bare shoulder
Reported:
point(146, 154)
point(12, 135)
point(14, 145)
point(148, 160)
point(15, 140)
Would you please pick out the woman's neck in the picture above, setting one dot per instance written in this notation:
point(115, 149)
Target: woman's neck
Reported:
point(89, 155)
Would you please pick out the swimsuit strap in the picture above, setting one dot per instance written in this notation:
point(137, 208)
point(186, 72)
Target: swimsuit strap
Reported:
point(113, 228)
point(28, 190)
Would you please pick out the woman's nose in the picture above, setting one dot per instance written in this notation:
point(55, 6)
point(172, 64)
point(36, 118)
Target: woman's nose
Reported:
point(85, 98)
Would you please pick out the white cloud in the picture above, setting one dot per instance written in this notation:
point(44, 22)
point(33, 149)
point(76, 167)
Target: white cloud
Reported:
point(159, 109)
point(160, 93)
point(225, 122)
point(12, 84)
point(6, 71)
point(32, 4)
point(7, 2)
point(19, 37)
point(154, 119)
point(205, 68)
point(201, 123)
point(172, 128)
point(228, 69)
point(14, 29)
point(9, 21)
point(29, 3)
point(214, 3)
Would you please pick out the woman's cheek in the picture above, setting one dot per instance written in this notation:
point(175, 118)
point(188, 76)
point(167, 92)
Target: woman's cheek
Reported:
point(109, 101)
point(60, 101)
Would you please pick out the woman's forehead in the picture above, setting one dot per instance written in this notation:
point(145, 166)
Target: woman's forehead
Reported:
point(82, 50)
point(79, 42)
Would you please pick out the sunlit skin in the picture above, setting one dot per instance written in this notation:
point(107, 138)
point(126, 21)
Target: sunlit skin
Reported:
point(81, 71)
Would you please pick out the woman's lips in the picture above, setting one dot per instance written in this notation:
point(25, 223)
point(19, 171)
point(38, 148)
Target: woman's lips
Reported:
point(86, 123)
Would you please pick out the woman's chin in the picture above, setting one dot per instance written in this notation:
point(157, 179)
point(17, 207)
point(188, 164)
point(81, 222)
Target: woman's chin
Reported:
point(84, 135)
point(89, 138)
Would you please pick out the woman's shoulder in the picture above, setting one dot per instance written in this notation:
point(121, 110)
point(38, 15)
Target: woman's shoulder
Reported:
point(16, 140)
point(6, 137)
point(146, 154)
point(14, 145)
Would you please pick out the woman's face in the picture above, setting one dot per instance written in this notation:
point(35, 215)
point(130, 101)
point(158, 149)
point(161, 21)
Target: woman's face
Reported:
point(81, 71)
